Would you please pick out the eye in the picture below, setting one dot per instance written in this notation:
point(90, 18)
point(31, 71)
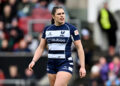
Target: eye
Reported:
point(58, 13)
point(63, 13)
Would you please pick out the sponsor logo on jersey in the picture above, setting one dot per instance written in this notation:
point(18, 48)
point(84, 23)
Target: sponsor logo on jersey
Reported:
point(56, 40)
point(59, 56)
point(49, 34)
point(76, 32)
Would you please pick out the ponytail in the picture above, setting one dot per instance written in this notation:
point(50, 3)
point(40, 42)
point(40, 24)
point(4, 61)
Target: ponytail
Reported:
point(52, 21)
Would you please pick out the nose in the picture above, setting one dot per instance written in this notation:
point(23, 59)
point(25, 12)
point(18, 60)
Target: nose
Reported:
point(61, 15)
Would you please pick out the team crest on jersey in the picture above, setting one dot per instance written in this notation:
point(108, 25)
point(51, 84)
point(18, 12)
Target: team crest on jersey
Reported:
point(62, 33)
point(76, 32)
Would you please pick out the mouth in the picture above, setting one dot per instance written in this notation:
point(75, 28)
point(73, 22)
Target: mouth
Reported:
point(62, 19)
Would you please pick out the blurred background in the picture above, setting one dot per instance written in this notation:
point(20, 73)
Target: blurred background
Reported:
point(21, 26)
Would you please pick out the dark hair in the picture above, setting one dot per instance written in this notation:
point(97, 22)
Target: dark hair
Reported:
point(53, 13)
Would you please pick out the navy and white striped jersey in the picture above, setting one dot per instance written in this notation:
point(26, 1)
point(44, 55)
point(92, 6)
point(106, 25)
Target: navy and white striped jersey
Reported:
point(59, 40)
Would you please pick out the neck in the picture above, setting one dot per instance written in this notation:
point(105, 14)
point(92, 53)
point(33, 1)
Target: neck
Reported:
point(59, 24)
point(7, 14)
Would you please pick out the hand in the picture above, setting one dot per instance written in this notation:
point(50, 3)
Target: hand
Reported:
point(82, 72)
point(31, 65)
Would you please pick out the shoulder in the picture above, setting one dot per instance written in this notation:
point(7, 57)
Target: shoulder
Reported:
point(48, 27)
point(72, 27)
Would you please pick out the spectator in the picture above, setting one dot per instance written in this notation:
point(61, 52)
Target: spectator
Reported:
point(95, 79)
point(114, 66)
point(15, 26)
point(24, 8)
point(32, 43)
point(4, 46)
point(13, 72)
point(22, 47)
point(2, 76)
point(13, 4)
point(103, 68)
point(3, 33)
point(109, 58)
point(13, 38)
point(108, 25)
point(29, 74)
point(41, 4)
point(33, 3)
point(95, 69)
point(30, 77)
point(2, 36)
point(2, 4)
point(15, 34)
point(7, 17)
point(52, 4)
point(88, 46)
point(112, 79)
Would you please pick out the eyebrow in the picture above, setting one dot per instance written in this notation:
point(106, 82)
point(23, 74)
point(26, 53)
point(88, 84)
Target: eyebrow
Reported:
point(61, 13)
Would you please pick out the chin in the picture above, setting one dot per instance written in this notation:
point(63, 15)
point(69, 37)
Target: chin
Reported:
point(62, 22)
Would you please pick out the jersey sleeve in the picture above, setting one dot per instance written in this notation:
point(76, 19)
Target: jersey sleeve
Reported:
point(75, 33)
point(44, 33)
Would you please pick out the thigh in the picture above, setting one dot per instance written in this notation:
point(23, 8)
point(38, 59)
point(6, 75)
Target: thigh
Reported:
point(62, 78)
point(52, 78)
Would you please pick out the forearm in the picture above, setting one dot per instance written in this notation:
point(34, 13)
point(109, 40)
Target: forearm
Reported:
point(80, 51)
point(39, 50)
point(81, 57)
point(38, 54)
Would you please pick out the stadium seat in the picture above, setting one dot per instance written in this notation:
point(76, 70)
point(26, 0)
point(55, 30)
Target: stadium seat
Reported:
point(23, 24)
point(40, 13)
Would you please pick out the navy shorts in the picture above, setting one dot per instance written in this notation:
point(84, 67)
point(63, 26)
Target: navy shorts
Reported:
point(56, 65)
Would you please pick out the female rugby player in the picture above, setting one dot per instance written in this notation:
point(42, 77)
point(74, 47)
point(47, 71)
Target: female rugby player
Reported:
point(59, 36)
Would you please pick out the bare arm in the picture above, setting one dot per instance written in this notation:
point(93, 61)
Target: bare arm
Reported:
point(39, 50)
point(38, 53)
point(81, 57)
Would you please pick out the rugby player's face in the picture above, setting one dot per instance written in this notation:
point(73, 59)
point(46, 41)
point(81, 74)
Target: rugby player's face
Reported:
point(59, 16)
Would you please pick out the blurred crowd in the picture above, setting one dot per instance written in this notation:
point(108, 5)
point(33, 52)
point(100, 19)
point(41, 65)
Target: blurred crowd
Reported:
point(103, 67)
point(14, 20)
point(105, 73)
point(15, 35)
point(13, 73)
point(106, 70)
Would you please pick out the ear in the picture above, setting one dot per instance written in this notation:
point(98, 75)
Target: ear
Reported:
point(53, 16)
